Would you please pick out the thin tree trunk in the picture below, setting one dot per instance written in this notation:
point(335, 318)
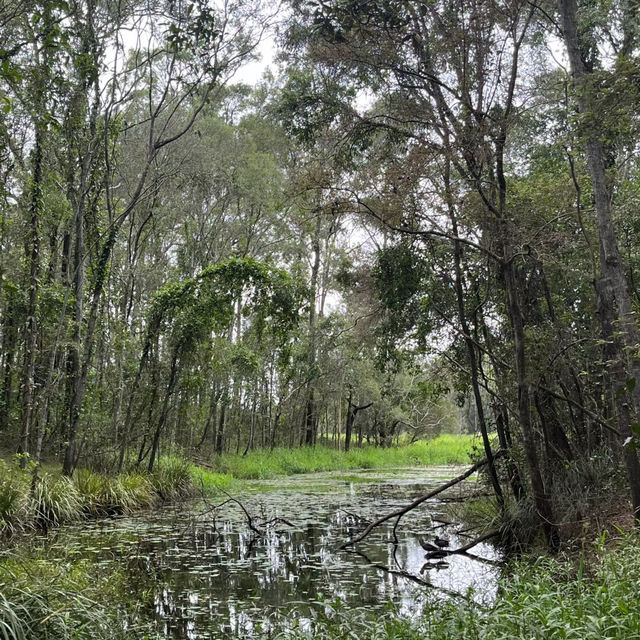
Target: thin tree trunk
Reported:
point(173, 375)
point(31, 331)
point(310, 412)
point(616, 311)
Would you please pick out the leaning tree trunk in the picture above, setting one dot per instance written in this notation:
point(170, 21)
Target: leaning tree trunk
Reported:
point(472, 356)
point(173, 376)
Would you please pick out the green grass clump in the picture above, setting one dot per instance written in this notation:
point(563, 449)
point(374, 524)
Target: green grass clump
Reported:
point(55, 500)
point(134, 491)
point(209, 482)
point(102, 494)
point(89, 485)
point(13, 503)
point(443, 450)
point(49, 499)
point(171, 478)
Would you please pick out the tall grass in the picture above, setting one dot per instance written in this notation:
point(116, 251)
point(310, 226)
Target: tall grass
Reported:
point(49, 499)
point(443, 450)
point(41, 599)
point(541, 599)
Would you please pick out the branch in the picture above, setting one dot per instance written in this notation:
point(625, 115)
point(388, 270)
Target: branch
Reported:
point(416, 503)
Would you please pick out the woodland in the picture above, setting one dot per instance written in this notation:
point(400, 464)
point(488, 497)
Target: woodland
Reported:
point(422, 218)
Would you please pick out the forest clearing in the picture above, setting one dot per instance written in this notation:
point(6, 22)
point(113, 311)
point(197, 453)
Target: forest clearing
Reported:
point(319, 319)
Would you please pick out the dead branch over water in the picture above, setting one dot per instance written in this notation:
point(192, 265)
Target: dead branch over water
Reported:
point(399, 513)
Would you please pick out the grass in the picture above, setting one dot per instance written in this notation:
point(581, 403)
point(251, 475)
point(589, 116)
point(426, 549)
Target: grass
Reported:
point(43, 599)
point(540, 599)
point(443, 450)
point(52, 499)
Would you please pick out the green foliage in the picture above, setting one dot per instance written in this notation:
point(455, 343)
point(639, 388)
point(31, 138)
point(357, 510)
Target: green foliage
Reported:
point(172, 478)
point(50, 499)
point(55, 500)
point(445, 449)
point(210, 483)
point(73, 600)
point(103, 494)
point(190, 310)
point(13, 491)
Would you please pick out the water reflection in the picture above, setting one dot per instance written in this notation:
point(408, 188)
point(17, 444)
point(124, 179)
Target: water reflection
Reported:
point(219, 579)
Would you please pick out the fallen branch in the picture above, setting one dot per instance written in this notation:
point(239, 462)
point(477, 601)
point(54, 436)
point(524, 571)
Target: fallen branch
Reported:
point(416, 503)
point(259, 530)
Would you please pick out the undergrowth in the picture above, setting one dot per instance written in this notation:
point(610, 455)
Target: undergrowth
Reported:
point(48, 499)
point(44, 599)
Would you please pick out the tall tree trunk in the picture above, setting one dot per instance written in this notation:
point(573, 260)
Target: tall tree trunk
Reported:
point(349, 424)
point(352, 412)
point(220, 433)
point(8, 352)
point(31, 330)
point(310, 412)
point(472, 356)
point(173, 376)
point(541, 500)
point(616, 312)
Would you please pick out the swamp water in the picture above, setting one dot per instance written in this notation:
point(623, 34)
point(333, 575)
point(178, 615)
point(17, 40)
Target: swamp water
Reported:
point(213, 578)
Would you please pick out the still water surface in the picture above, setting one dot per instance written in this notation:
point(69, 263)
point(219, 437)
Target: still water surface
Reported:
point(213, 578)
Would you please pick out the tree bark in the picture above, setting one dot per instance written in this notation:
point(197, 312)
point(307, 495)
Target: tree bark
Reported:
point(31, 330)
point(616, 311)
